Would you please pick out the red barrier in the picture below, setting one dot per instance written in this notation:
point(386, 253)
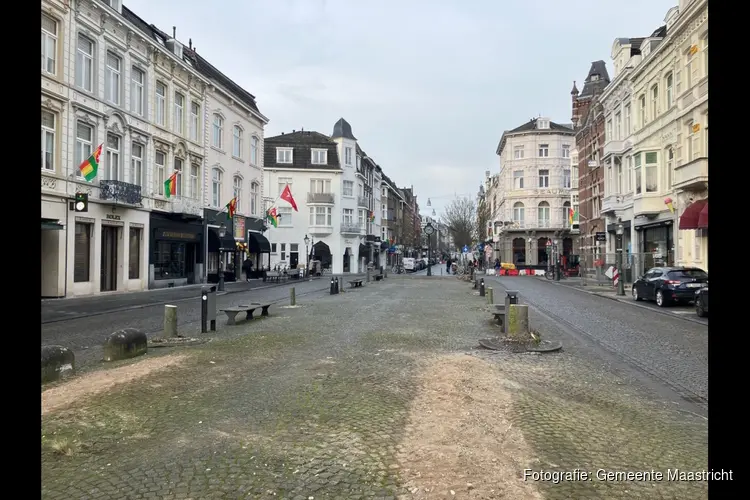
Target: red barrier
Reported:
point(512, 272)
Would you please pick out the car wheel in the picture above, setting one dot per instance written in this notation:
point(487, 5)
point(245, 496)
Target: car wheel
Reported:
point(699, 309)
point(636, 297)
point(660, 300)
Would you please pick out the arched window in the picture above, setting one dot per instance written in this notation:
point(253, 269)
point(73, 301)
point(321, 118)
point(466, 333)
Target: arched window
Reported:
point(216, 176)
point(254, 198)
point(237, 192)
point(254, 150)
point(518, 212)
point(237, 142)
point(543, 215)
point(218, 132)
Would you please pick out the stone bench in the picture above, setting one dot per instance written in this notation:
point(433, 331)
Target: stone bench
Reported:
point(233, 311)
point(378, 277)
point(498, 312)
point(355, 283)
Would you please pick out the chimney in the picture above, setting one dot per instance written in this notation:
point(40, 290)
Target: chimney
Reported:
point(293, 131)
point(174, 32)
point(190, 43)
point(486, 174)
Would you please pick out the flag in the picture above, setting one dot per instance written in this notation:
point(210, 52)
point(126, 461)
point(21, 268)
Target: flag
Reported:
point(90, 166)
point(286, 195)
point(273, 217)
point(170, 185)
point(372, 216)
point(570, 215)
point(231, 208)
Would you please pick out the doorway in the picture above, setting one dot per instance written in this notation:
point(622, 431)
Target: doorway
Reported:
point(109, 259)
point(519, 251)
point(293, 260)
point(190, 263)
point(347, 263)
point(541, 252)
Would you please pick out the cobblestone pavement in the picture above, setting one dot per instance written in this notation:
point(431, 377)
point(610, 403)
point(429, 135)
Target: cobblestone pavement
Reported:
point(314, 403)
point(667, 347)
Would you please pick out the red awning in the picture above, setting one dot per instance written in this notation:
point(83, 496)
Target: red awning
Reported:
point(703, 218)
point(690, 216)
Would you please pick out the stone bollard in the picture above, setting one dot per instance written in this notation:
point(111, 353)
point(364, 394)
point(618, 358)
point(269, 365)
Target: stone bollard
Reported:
point(125, 343)
point(481, 287)
point(170, 321)
point(518, 321)
point(490, 296)
point(58, 362)
point(292, 297)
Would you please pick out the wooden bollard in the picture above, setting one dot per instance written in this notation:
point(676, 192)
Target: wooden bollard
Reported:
point(292, 297)
point(170, 321)
point(490, 297)
point(518, 321)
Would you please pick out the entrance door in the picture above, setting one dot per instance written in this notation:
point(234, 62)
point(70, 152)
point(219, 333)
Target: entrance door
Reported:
point(190, 263)
point(109, 259)
point(293, 260)
point(347, 260)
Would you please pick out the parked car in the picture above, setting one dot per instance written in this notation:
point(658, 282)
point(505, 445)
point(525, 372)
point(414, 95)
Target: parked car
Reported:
point(701, 302)
point(668, 285)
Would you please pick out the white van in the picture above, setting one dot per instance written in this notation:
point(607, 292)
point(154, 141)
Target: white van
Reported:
point(409, 264)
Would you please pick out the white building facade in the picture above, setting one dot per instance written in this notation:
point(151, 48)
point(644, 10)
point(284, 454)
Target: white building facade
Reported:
point(534, 185)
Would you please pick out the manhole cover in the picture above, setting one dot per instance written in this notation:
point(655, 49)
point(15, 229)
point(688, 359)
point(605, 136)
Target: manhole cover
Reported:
point(515, 346)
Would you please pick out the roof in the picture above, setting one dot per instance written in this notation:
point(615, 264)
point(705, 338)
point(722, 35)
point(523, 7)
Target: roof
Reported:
point(530, 126)
point(192, 57)
point(342, 129)
point(302, 141)
point(597, 79)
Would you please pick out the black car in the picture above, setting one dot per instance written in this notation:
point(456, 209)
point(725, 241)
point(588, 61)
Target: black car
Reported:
point(701, 302)
point(667, 285)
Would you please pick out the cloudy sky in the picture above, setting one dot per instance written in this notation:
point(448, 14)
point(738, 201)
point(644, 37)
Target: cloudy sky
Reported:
point(427, 85)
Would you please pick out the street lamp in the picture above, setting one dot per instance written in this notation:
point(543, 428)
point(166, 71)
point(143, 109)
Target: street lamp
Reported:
point(222, 233)
point(307, 252)
point(556, 256)
point(620, 270)
point(428, 230)
point(429, 203)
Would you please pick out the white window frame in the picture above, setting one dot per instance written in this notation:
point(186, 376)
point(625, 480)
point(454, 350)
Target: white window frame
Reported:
point(628, 123)
point(253, 198)
point(670, 168)
point(693, 142)
point(519, 212)
point(347, 216)
point(237, 192)
point(112, 78)
point(217, 131)
point(637, 174)
point(195, 122)
point(285, 155)
point(47, 133)
point(137, 91)
point(84, 76)
point(348, 189)
point(618, 172)
point(179, 167)
point(319, 156)
point(136, 163)
point(237, 141)
point(628, 174)
point(83, 147)
point(566, 178)
point(160, 105)
point(618, 126)
point(655, 101)
point(179, 112)
point(113, 165)
point(285, 215)
point(543, 178)
point(193, 186)
point(254, 146)
point(544, 151)
point(518, 153)
point(669, 94)
point(610, 136)
point(284, 182)
point(347, 156)
point(318, 211)
point(160, 171)
point(518, 179)
point(216, 179)
point(566, 151)
point(544, 214)
point(652, 167)
point(642, 110)
point(322, 186)
point(49, 45)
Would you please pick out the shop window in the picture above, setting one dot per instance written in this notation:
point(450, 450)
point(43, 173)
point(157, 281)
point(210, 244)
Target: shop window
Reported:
point(134, 264)
point(169, 260)
point(82, 251)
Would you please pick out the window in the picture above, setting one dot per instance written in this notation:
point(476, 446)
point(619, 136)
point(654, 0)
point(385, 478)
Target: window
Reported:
point(670, 167)
point(609, 130)
point(348, 216)
point(253, 198)
point(608, 185)
point(566, 151)
point(652, 171)
point(273, 246)
point(618, 168)
point(160, 160)
point(254, 142)
point(642, 109)
point(518, 152)
point(627, 120)
point(169, 260)
point(319, 156)
point(216, 187)
point(518, 212)
point(705, 54)
point(161, 104)
point(283, 155)
point(237, 192)
point(691, 68)
point(655, 101)
point(693, 141)
point(543, 150)
point(285, 216)
point(361, 218)
point(359, 161)
point(113, 157)
point(193, 186)
point(137, 81)
point(84, 144)
point(566, 178)
point(566, 214)
point(85, 64)
point(134, 264)
point(49, 44)
point(112, 78)
point(136, 163)
point(670, 96)
point(195, 111)
point(321, 216)
point(82, 253)
point(543, 214)
point(283, 251)
point(544, 178)
point(218, 132)
point(236, 142)
point(320, 186)
point(348, 156)
point(284, 182)
point(348, 188)
point(48, 140)
point(178, 163)
point(618, 126)
point(637, 173)
point(179, 113)
point(518, 179)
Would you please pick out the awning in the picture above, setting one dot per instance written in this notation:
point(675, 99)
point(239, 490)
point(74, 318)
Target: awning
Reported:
point(703, 218)
point(52, 225)
point(257, 243)
point(689, 218)
point(216, 244)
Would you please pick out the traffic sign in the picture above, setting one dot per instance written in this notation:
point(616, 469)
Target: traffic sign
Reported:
point(466, 248)
point(549, 243)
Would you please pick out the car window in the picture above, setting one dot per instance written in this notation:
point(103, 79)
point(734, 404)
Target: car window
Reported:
point(655, 274)
point(688, 274)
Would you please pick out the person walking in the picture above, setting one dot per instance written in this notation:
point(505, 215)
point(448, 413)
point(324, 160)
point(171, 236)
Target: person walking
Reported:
point(247, 266)
point(448, 265)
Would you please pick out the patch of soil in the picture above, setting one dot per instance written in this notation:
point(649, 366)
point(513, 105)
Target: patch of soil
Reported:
point(459, 442)
point(100, 381)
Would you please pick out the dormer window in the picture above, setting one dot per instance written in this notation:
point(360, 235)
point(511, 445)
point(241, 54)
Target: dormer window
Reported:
point(319, 157)
point(284, 155)
point(542, 124)
point(115, 4)
point(594, 78)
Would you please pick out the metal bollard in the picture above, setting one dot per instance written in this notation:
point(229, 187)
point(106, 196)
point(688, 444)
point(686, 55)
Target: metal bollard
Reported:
point(170, 321)
point(490, 295)
point(333, 286)
point(292, 297)
point(208, 308)
point(481, 287)
point(337, 285)
point(385, 272)
point(368, 273)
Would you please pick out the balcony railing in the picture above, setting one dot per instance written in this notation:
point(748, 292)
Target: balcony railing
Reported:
point(324, 198)
point(362, 201)
point(184, 205)
point(120, 192)
point(352, 228)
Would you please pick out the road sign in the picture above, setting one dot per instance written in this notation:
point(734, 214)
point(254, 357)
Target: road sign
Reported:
point(549, 243)
point(466, 248)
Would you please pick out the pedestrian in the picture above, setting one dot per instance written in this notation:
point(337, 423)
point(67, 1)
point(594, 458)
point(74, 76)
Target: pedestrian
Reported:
point(247, 266)
point(448, 265)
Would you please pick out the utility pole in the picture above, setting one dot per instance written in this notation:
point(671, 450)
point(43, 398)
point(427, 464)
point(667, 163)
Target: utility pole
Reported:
point(428, 229)
point(620, 270)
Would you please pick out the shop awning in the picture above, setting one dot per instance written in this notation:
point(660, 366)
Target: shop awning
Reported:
point(217, 244)
point(257, 243)
point(703, 218)
point(52, 225)
point(689, 218)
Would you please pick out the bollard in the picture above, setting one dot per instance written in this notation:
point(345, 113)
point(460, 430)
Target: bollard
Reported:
point(518, 321)
point(385, 272)
point(333, 286)
point(208, 308)
point(368, 273)
point(170, 321)
point(490, 295)
point(337, 285)
point(481, 287)
point(292, 297)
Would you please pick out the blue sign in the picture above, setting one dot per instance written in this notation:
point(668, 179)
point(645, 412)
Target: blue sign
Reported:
point(466, 248)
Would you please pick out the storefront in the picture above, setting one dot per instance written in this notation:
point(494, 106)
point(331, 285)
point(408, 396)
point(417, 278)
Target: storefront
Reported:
point(221, 249)
point(53, 242)
point(175, 256)
point(693, 235)
point(655, 246)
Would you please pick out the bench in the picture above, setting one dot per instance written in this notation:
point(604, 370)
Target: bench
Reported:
point(378, 277)
point(355, 283)
point(233, 311)
point(499, 312)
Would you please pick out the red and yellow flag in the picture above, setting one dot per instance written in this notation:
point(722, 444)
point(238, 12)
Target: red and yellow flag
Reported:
point(170, 186)
point(231, 208)
point(90, 165)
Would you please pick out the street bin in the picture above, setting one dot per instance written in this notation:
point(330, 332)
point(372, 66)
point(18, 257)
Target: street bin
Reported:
point(511, 297)
point(208, 308)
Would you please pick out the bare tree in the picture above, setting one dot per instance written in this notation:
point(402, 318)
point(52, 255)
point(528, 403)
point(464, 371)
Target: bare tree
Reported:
point(483, 219)
point(460, 219)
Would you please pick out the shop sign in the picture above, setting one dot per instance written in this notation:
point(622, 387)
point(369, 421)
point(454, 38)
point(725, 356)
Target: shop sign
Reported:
point(112, 217)
point(239, 228)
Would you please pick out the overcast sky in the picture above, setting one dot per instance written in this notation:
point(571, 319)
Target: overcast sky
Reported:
point(428, 86)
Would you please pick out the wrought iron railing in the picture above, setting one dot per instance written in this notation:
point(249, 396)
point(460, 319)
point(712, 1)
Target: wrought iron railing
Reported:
point(120, 192)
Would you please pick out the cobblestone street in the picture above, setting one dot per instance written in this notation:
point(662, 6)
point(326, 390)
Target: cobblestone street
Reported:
point(377, 392)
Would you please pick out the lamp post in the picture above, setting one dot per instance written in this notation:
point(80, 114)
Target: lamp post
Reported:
point(307, 252)
point(621, 281)
point(222, 233)
point(556, 254)
point(428, 230)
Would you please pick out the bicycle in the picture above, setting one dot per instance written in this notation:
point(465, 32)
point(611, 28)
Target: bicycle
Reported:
point(397, 269)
